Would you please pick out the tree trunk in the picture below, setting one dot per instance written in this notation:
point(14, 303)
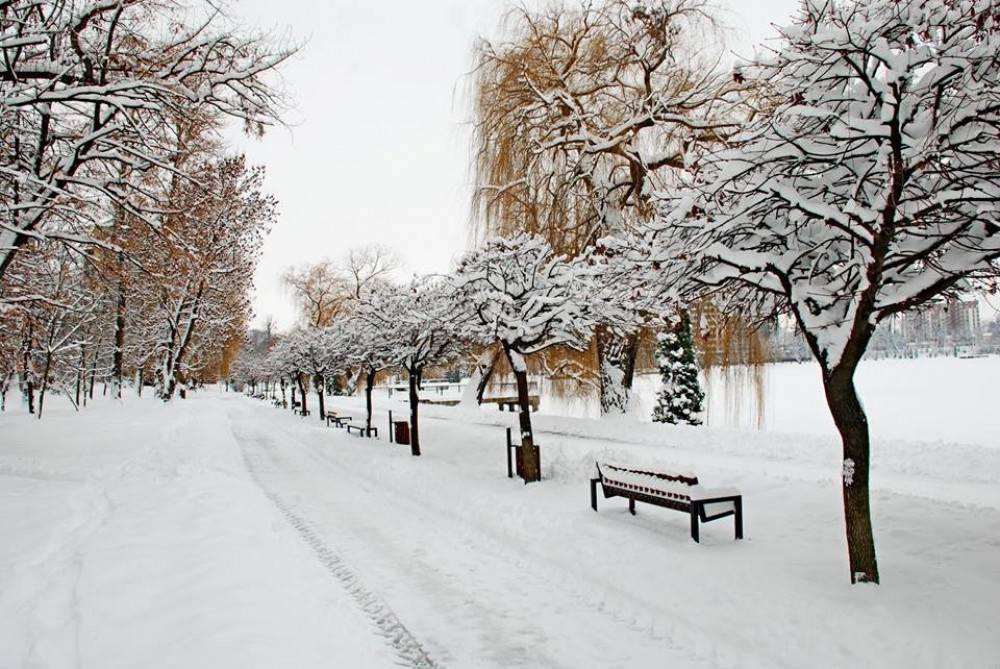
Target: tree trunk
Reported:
point(4, 385)
point(414, 403)
point(302, 391)
point(852, 423)
point(369, 384)
point(119, 350)
point(27, 383)
point(529, 460)
point(80, 371)
point(93, 372)
point(616, 369)
point(320, 385)
point(45, 377)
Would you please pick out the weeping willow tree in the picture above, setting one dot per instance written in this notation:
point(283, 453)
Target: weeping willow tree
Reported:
point(736, 347)
point(580, 115)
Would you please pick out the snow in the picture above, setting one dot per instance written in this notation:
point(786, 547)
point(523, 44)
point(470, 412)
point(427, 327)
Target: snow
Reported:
point(134, 537)
point(220, 531)
point(942, 400)
point(903, 398)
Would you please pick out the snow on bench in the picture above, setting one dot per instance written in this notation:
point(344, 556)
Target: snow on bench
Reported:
point(680, 492)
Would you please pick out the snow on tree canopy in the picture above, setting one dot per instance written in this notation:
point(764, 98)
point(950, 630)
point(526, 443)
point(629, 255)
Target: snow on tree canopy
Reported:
point(520, 294)
point(418, 324)
point(875, 185)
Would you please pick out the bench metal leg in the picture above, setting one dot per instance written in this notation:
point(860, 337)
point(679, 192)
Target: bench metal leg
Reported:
point(593, 493)
point(631, 505)
point(738, 517)
point(694, 523)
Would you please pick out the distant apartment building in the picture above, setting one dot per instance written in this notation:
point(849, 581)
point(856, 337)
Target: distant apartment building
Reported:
point(951, 323)
point(948, 328)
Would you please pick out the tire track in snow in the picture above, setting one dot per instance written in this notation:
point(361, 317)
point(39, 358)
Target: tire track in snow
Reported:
point(406, 646)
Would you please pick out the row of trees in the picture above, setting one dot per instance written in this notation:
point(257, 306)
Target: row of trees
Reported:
point(128, 232)
point(512, 295)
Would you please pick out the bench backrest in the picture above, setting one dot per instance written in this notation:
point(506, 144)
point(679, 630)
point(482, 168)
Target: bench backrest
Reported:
point(673, 486)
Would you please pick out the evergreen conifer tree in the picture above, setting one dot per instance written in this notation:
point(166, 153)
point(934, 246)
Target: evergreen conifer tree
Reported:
point(680, 397)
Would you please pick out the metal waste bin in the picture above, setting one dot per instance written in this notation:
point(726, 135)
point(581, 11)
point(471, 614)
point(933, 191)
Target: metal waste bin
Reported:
point(401, 432)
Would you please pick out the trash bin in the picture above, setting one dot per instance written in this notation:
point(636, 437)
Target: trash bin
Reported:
point(401, 432)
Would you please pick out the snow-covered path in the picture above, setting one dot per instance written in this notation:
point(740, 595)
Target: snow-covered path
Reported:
point(476, 594)
point(220, 531)
point(140, 540)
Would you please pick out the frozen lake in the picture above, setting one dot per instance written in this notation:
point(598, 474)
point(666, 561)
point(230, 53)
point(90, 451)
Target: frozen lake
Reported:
point(923, 399)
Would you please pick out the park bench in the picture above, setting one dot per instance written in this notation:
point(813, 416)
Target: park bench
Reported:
point(339, 421)
point(361, 429)
point(672, 491)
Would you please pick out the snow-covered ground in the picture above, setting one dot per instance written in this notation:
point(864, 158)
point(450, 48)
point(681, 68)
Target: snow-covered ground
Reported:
point(220, 531)
point(923, 399)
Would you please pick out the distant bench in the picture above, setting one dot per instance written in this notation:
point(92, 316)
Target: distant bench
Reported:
point(336, 419)
point(512, 404)
point(671, 491)
point(361, 429)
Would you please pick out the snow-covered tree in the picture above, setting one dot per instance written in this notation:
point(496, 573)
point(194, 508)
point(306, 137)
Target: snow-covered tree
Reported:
point(519, 294)
point(287, 361)
point(50, 310)
point(208, 251)
point(680, 397)
point(873, 188)
point(630, 290)
point(419, 325)
point(315, 355)
point(90, 91)
point(366, 348)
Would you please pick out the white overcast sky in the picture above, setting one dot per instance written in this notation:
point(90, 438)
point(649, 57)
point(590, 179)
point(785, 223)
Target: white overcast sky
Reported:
point(378, 147)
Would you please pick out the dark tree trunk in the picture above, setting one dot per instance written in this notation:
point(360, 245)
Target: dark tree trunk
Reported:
point(369, 385)
point(616, 369)
point(28, 385)
point(529, 460)
point(320, 386)
point(119, 350)
point(302, 391)
point(93, 373)
point(414, 403)
point(80, 370)
point(45, 382)
point(852, 423)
